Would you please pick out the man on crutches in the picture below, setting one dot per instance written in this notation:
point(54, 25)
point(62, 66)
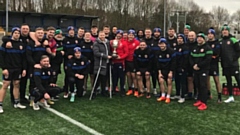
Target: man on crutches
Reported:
point(102, 56)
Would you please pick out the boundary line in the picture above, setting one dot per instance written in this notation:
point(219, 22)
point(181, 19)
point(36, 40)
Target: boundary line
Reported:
point(69, 119)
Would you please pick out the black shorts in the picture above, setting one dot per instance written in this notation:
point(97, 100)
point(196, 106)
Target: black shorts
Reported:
point(214, 72)
point(129, 67)
point(13, 74)
point(189, 72)
point(165, 74)
point(143, 71)
point(231, 71)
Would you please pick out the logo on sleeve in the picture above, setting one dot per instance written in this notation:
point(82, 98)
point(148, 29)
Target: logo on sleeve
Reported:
point(146, 56)
point(213, 45)
point(82, 63)
point(202, 50)
point(167, 55)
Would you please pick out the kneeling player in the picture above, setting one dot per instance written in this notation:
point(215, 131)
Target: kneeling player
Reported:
point(143, 64)
point(44, 86)
point(77, 70)
point(166, 63)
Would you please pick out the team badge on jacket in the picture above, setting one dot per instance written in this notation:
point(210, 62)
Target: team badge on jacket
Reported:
point(228, 42)
point(76, 41)
point(167, 56)
point(20, 47)
point(82, 63)
point(202, 50)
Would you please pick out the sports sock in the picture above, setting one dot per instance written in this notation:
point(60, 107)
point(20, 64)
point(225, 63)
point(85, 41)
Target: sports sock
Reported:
point(163, 94)
point(168, 96)
point(220, 96)
point(1, 104)
point(16, 101)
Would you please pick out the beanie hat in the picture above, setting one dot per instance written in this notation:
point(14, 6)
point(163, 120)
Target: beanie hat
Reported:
point(211, 31)
point(120, 32)
point(187, 26)
point(181, 35)
point(58, 31)
point(77, 49)
point(201, 34)
point(157, 30)
point(162, 40)
point(15, 29)
point(225, 27)
point(131, 32)
point(70, 28)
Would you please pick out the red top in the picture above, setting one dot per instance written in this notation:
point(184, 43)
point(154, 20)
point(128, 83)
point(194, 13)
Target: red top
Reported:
point(122, 51)
point(132, 45)
point(53, 45)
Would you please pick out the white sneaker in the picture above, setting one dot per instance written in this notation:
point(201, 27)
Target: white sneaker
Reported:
point(155, 92)
point(1, 109)
point(229, 100)
point(176, 97)
point(44, 104)
point(19, 106)
point(65, 95)
point(181, 100)
point(35, 106)
point(84, 92)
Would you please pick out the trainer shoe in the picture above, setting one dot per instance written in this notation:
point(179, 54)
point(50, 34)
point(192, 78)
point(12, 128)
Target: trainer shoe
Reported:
point(130, 92)
point(84, 92)
point(35, 106)
point(229, 100)
point(202, 107)
point(148, 96)
point(181, 100)
point(19, 106)
point(219, 100)
point(140, 95)
point(198, 103)
point(31, 103)
point(136, 93)
point(1, 109)
point(168, 100)
point(155, 92)
point(65, 95)
point(50, 102)
point(45, 104)
point(161, 99)
point(72, 99)
point(176, 97)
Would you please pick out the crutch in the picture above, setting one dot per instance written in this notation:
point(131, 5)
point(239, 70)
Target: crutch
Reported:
point(110, 79)
point(96, 79)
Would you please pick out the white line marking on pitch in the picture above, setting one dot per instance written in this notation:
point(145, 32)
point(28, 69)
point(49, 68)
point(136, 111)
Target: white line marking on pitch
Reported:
point(67, 118)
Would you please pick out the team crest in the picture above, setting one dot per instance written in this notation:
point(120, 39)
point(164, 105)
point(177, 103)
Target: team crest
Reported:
point(133, 44)
point(213, 45)
point(76, 41)
point(167, 55)
point(74, 64)
point(49, 73)
point(19, 77)
point(151, 44)
point(174, 44)
point(83, 47)
point(20, 47)
point(202, 50)
point(174, 48)
point(220, 42)
point(82, 63)
point(139, 55)
point(43, 73)
point(27, 40)
point(228, 42)
point(215, 73)
point(146, 56)
point(160, 56)
point(20, 39)
point(68, 42)
point(180, 49)
point(91, 46)
point(194, 50)
point(204, 74)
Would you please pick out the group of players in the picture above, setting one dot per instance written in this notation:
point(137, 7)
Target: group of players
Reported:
point(188, 59)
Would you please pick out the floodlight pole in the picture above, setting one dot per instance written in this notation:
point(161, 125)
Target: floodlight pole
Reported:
point(165, 6)
point(177, 21)
point(6, 16)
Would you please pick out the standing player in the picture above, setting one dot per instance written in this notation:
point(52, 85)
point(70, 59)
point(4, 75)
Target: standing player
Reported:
point(230, 52)
point(69, 43)
point(200, 59)
point(87, 51)
point(78, 70)
point(132, 44)
point(214, 69)
point(143, 59)
point(80, 34)
point(171, 39)
point(166, 64)
point(13, 64)
point(94, 33)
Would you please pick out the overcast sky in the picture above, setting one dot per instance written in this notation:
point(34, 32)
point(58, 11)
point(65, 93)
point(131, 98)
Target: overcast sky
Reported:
point(231, 5)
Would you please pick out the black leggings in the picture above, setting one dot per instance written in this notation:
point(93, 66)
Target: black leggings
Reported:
point(79, 84)
point(102, 79)
point(229, 82)
point(52, 91)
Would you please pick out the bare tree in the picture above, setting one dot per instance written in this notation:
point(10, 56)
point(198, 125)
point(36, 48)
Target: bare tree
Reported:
point(221, 15)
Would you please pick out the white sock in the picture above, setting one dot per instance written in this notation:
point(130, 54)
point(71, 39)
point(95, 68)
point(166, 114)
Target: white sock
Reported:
point(72, 94)
point(154, 89)
point(132, 85)
point(163, 94)
point(168, 96)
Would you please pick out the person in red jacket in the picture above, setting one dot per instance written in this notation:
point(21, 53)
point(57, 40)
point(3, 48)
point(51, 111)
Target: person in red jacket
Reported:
point(132, 44)
point(118, 63)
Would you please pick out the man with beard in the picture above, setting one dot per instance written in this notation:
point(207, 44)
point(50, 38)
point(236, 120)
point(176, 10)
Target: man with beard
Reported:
point(69, 43)
point(154, 48)
point(171, 39)
point(143, 59)
point(87, 51)
point(80, 34)
point(132, 44)
point(214, 69)
point(166, 65)
point(230, 51)
point(181, 66)
point(94, 33)
point(200, 59)
point(106, 30)
point(118, 62)
point(140, 35)
point(191, 44)
point(113, 33)
point(44, 88)
point(13, 64)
